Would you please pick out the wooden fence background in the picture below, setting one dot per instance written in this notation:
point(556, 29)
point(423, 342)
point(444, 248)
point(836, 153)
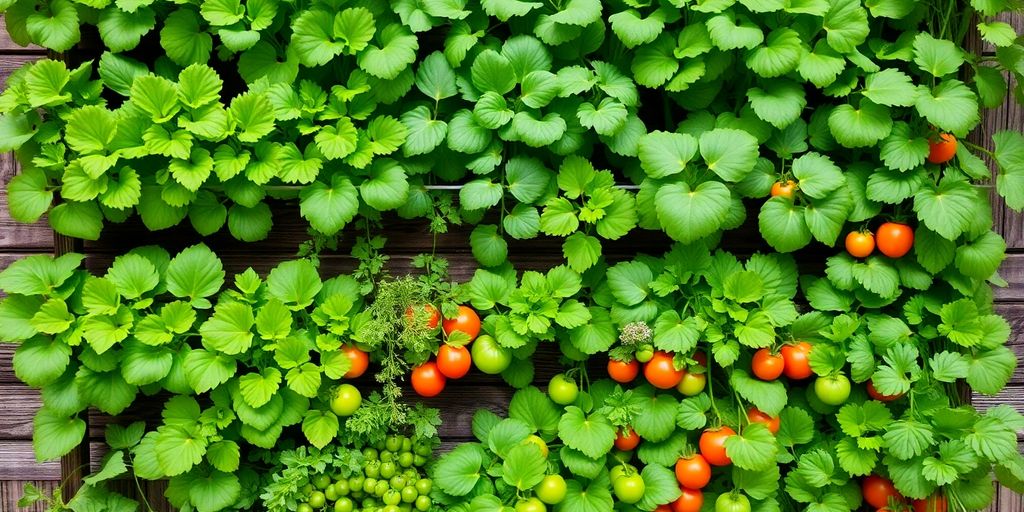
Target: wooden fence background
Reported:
point(18, 403)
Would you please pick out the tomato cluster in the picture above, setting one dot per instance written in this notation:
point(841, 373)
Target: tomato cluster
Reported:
point(893, 239)
point(661, 372)
point(391, 479)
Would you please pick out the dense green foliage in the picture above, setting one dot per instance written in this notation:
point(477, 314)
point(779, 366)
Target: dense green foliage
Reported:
point(825, 117)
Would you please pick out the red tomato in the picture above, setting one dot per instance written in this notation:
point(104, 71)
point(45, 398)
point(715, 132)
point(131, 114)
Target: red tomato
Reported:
point(661, 372)
point(712, 445)
point(663, 508)
point(875, 394)
point(626, 439)
point(427, 380)
point(797, 360)
point(453, 362)
point(756, 416)
point(433, 315)
point(466, 321)
point(933, 503)
point(701, 358)
point(623, 372)
point(690, 500)
point(360, 361)
point(942, 150)
point(860, 244)
point(766, 365)
point(878, 491)
point(894, 239)
point(783, 189)
point(693, 472)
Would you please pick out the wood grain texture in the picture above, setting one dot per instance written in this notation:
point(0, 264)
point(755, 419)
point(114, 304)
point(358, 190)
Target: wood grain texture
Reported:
point(12, 490)
point(19, 463)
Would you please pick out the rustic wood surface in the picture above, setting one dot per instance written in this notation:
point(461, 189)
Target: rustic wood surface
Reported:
point(405, 239)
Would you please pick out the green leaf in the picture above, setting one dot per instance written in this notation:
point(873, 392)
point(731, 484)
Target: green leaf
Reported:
point(41, 361)
point(320, 427)
point(28, 195)
point(656, 421)
point(458, 471)
point(214, 491)
point(229, 330)
point(948, 208)
point(195, 273)
point(629, 282)
point(730, 32)
point(466, 134)
point(890, 87)
point(655, 64)
point(207, 370)
point(258, 388)
point(253, 114)
point(581, 251)
point(817, 174)
point(939, 57)
point(480, 194)
point(506, 9)
point(980, 258)
point(779, 54)
point(769, 397)
point(78, 220)
point(329, 208)
point(633, 30)
point(183, 40)
point(861, 127)
point(783, 224)
point(536, 409)
point(538, 132)
point(396, 51)
point(91, 129)
point(729, 153)
point(780, 102)
point(295, 283)
point(950, 106)
point(143, 364)
point(424, 132)
point(908, 438)
point(690, 214)
point(664, 154)
point(591, 434)
point(387, 187)
point(991, 370)
point(53, 24)
point(45, 83)
point(754, 449)
point(489, 247)
point(846, 25)
point(660, 486)
point(54, 435)
point(902, 150)
point(524, 466)
point(39, 274)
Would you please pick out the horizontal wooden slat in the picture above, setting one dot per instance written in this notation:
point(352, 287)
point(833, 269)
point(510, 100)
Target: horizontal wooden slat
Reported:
point(19, 463)
point(17, 408)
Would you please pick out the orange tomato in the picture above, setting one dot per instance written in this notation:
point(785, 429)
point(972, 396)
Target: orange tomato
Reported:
point(693, 472)
point(360, 361)
point(766, 365)
point(623, 372)
point(712, 445)
point(878, 491)
point(690, 500)
point(756, 416)
point(933, 503)
point(626, 439)
point(433, 315)
point(453, 362)
point(466, 321)
point(797, 360)
point(427, 380)
point(860, 244)
point(661, 372)
point(783, 189)
point(894, 239)
point(942, 150)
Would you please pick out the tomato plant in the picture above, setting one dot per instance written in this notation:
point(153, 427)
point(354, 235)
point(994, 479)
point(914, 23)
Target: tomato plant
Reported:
point(490, 357)
point(624, 372)
point(690, 500)
point(943, 149)
point(453, 362)
point(860, 244)
point(563, 390)
point(797, 363)
point(756, 416)
point(894, 239)
point(767, 365)
point(626, 439)
point(661, 372)
point(879, 491)
point(693, 472)
point(466, 322)
point(427, 379)
point(712, 445)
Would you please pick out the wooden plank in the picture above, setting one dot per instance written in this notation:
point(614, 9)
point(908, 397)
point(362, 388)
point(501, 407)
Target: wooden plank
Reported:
point(1012, 270)
point(12, 490)
point(17, 408)
point(19, 463)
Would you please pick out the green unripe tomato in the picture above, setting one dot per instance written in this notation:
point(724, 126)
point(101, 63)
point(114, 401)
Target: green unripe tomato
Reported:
point(369, 485)
point(304, 507)
point(629, 489)
point(355, 483)
point(306, 489)
point(317, 499)
point(409, 494)
point(341, 487)
point(406, 459)
point(321, 481)
point(730, 502)
point(330, 493)
point(490, 357)
point(343, 505)
point(372, 469)
point(346, 400)
point(531, 505)
point(644, 353)
point(832, 390)
point(381, 487)
point(392, 497)
point(551, 489)
point(419, 460)
point(397, 481)
point(370, 454)
point(692, 384)
point(621, 470)
point(563, 390)
point(423, 503)
point(406, 444)
point(423, 486)
point(393, 443)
